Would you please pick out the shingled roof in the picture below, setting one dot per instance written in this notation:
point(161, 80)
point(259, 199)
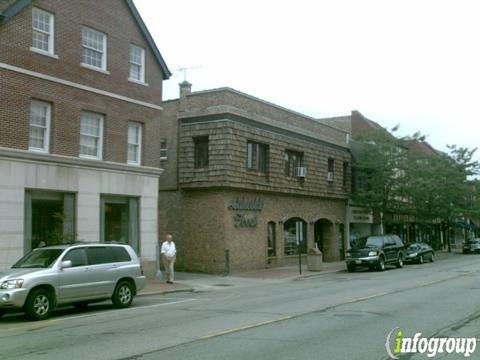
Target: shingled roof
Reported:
point(10, 8)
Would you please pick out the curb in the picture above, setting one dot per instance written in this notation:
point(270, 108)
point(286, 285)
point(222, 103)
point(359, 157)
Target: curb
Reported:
point(162, 292)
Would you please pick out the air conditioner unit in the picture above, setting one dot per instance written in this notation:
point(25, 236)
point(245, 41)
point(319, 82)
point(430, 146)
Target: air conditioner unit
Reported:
point(301, 172)
point(330, 176)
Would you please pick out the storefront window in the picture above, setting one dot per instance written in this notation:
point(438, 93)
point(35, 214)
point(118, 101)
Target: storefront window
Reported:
point(49, 218)
point(120, 220)
point(295, 236)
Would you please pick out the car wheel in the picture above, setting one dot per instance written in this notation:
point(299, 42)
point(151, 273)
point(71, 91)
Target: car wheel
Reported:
point(351, 268)
point(39, 304)
point(400, 261)
point(123, 295)
point(420, 259)
point(381, 264)
point(432, 257)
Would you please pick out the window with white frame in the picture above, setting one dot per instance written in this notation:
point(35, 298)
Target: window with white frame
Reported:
point(134, 143)
point(43, 26)
point(94, 45)
point(163, 150)
point(91, 135)
point(137, 63)
point(39, 133)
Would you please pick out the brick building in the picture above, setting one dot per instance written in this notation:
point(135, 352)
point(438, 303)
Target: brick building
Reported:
point(80, 94)
point(366, 221)
point(245, 180)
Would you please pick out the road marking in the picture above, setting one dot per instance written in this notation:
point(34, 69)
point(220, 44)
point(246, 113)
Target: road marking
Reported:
point(125, 310)
point(49, 322)
point(246, 327)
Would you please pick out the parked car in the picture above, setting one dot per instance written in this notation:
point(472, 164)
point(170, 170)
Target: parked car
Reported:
point(76, 274)
point(375, 252)
point(419, 252)
point(472, 246)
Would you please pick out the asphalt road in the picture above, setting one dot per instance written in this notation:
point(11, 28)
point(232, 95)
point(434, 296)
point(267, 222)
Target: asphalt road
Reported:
point(335, 316)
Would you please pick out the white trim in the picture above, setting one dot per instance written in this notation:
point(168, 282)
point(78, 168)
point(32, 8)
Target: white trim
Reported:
point(91, 67)
point(138, 82)
point(138, 125)
point(51, 34)
point(77, 86)
point(48, 117)
point(42, 52)
point(141, 64)
point(104, 47)
point(100, 137)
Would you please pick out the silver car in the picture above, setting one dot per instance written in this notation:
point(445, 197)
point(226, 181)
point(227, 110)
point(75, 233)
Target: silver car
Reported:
point(76, 274)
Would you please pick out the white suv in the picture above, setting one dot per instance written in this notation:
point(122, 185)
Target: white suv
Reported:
point(75, 274)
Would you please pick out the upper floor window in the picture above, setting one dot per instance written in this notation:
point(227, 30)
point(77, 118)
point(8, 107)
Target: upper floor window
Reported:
point(42, 36)
point(163, 150)
point(94, 53)
point(134, 143)
point(331, 169)
point(39, 134)
point(293, 161)
point(137, 63)
point(257, 156)
point(201, 151)
point(91, 135)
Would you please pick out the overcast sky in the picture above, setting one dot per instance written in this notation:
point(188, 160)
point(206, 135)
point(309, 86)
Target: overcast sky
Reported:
point(410, 62)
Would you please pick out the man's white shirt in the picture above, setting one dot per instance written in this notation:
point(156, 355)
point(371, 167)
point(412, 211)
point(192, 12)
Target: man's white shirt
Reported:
point(168, 249)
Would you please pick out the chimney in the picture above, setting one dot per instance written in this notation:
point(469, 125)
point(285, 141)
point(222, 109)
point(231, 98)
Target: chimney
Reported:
point(185, 89)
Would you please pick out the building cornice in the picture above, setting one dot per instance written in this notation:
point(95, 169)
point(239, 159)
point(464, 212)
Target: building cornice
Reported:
point(73, 162)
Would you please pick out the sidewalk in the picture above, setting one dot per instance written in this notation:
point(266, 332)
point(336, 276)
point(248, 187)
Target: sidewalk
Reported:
point(193, 282)
point(190, 282)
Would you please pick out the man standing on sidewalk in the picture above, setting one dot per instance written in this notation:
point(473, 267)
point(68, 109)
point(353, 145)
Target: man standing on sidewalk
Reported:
point(168, 253)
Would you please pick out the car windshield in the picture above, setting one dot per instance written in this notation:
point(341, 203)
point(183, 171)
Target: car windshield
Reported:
point(38, 258)
point(369, 241)
point(415, 247)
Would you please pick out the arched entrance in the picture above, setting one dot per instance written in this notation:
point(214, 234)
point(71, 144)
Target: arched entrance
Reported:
point(324, 238)
point(295, 236)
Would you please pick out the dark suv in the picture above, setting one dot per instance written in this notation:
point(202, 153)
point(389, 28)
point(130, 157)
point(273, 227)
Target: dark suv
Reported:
point(375, 252)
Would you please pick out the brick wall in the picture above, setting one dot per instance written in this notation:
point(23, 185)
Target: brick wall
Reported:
point(67, 103)
point(206, 228)
point(16, 90)
point(111, 17)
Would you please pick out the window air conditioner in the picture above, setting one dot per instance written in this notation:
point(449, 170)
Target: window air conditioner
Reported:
point(301, 172)
point(330, 176)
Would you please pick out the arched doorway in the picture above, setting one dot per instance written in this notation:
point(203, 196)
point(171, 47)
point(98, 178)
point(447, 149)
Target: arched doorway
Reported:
point(323, 236)
point(295, 236)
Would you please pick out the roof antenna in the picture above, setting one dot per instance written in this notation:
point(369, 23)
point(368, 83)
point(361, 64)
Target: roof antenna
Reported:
point(185, 68)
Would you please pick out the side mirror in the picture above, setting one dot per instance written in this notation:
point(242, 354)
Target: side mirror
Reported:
point(66, 264)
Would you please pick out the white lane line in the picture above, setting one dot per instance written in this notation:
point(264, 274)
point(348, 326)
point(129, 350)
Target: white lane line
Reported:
point(125, 310)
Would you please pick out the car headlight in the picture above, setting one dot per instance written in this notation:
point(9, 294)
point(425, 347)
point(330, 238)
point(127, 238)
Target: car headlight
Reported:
point(373, 253)
point(12, 284)
point(413, 255)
